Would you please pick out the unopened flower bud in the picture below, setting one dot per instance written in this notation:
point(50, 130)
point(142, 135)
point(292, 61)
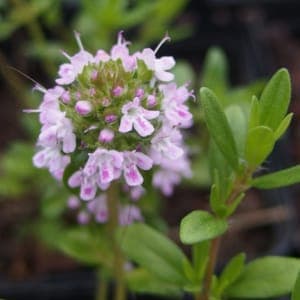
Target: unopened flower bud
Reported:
point(94, 75)
point(117, 91)
point(106, 136)
point(139, 93)
point(83, 218)
point(151, 101)
point(73, 202)
point(110, 118)
point(83, 107)
point(65, 97)
point(78, 95)
point(106, 102)
point(92, 92)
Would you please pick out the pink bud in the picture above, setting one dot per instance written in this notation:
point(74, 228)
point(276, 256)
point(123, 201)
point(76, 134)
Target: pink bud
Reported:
point(83, 107)
point(105, 102)
point(106, 135)
point(117, 91)
point(83, 218)
point(65, 97)
point(73, 202)
point(110, 118)
point(139, 93)
point(151, 101)
point(78, 95)
point(94, 75)
point(92, 92)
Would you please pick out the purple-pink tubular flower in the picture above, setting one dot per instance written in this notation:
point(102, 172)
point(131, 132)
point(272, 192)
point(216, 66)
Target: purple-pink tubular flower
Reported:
point(114, 116)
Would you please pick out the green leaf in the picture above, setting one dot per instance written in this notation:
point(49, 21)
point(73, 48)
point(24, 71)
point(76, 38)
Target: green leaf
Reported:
point(200, 258)
point(235, 203)
point(278, 179)
point(275, 99)
point(231, 272)
point(259, 144)
point(254, 113)
point(200, 226)
point(218, 127)
point(283, 126)
point(238, 124)
point(266, 277)
point(141, 281)
point(215, 71)
point(216, 202)
point(85, 245)
point(296, 290)
point(154, 252)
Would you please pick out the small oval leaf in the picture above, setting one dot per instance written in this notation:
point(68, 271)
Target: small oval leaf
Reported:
point(218, 126)
point(200, 226)
point(275, 99)
point(259, 144)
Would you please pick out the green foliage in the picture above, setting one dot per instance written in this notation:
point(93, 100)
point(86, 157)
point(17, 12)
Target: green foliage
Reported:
point(265, 278)
point(275, 99)
point(85, 244)
point(278, 179)
point(230, 273)
point(262, 136)
point(200, 226)
point(154, 252)
point(141, 281)
point(218, 126)
point(183, 73)
point(215, 72)
point(296, 289)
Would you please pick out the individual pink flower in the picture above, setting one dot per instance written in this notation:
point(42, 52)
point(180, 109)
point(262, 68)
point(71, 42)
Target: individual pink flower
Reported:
point(166, 144)
point(160, 66)
point(107, 164)
point(176, 112)
point(98, 207)
point(128, 214)
point(52, 159)
point(58, 131)
point(68, 72)
point(135, 116)
point(133, 160)
point(120, 51)
point(170, 174)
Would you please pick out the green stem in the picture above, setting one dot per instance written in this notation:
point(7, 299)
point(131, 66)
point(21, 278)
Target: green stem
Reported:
point(239, 186)
point(102, 288)
point(213, 255)
point(113, 224)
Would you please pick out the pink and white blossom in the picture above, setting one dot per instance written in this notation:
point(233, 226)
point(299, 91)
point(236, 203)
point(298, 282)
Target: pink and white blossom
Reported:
point(132, 161)
point(136, 117)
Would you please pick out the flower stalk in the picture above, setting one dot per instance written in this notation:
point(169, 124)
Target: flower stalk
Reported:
point(113, 224)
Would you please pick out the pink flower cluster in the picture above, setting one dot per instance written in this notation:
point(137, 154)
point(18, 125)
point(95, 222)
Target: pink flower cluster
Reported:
point(124, 113)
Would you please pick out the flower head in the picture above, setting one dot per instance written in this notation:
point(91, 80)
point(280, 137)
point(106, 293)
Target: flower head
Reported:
point(113, 116)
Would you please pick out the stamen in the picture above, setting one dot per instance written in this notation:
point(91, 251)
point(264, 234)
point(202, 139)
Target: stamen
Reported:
point(78, 40)
point(165, 39)
point(38, 86)
point(29, 111)
point(65, 54)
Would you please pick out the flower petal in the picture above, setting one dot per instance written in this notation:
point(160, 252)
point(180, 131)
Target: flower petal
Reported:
point(143, 126)
point(132, 175)
point(126, 124)
point(143, 161)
